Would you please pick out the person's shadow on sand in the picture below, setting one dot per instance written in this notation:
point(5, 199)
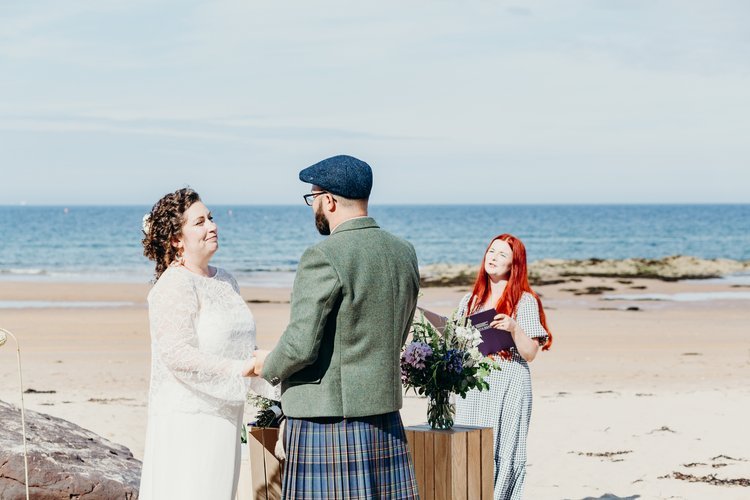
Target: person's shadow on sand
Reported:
point(610, 496)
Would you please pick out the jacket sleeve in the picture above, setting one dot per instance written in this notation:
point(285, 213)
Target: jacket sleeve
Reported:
point(316, 290)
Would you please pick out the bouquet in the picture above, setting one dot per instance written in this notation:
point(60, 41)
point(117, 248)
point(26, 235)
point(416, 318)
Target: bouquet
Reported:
point(269, 411)
point(437, 364)
point(269, 414)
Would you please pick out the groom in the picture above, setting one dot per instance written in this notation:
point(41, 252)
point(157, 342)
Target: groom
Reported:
point(352, 305)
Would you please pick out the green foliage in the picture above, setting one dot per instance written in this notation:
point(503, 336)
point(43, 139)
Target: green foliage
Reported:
point(454, 363)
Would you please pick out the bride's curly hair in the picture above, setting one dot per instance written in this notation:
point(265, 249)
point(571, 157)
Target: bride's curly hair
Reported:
point(164, 225)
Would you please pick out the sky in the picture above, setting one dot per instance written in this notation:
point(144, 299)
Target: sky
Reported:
point(525, 101)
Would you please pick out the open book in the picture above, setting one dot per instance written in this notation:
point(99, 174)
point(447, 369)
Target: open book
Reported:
point(493, 339)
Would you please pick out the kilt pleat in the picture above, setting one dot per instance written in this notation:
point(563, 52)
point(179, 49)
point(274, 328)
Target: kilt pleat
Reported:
point(348, 458)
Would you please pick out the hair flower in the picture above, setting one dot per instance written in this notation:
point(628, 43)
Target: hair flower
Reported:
point(146, 223)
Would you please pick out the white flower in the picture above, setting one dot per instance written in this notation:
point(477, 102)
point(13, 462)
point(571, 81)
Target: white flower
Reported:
point(469, 335)
point(146, 223)
point(475, 355)
point(463, 332)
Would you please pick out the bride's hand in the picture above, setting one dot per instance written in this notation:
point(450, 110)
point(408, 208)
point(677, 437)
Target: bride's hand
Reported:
point(249, 369)
point(260, 360)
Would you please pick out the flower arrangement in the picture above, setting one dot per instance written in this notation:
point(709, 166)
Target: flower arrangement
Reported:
point(269, 414)
point(269, 411)
point(438, 363)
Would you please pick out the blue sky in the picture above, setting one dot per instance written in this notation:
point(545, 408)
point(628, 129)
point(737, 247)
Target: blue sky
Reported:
point(450, 102)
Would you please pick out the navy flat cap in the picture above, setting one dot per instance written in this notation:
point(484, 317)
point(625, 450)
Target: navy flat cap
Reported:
point(343, 175)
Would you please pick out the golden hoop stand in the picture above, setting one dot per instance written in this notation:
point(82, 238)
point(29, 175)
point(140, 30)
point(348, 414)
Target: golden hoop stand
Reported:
point(4, 334)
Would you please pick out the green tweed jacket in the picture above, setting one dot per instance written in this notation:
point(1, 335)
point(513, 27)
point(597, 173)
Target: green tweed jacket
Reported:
point(353, 301)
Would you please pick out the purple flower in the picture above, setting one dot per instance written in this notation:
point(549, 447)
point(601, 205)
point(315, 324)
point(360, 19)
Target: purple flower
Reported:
point(416, 353)
point(453, 361)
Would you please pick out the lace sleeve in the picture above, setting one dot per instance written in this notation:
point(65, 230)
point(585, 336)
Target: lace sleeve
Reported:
point(234, 284)
point(173, 310)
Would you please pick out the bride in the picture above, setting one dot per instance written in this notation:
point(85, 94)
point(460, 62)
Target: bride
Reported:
point(202, 343)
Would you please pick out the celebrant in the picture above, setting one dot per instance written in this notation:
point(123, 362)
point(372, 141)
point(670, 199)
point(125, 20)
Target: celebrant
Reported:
point(502, 284)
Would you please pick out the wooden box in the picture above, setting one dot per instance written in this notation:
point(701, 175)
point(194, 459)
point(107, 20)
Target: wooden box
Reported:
point(265, 468)
point(455, 464)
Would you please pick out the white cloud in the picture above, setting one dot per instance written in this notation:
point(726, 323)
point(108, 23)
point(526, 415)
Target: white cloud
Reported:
point(652, 87)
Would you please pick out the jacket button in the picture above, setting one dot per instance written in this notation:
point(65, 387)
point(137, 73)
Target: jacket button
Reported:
point(275, 381)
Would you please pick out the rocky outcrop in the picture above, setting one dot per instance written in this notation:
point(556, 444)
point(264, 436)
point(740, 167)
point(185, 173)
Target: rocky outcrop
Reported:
point(674, 268)
point(551, 271)
point(65, 461)
point(447, 275)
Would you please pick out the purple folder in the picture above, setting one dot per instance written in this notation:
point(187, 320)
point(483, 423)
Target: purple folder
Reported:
point(494, 340)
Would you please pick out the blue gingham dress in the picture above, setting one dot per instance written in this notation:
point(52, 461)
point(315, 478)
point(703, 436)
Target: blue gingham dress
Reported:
point(506, 407)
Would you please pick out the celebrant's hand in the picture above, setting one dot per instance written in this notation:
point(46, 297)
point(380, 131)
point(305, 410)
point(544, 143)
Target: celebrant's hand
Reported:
point(504, 322)
point(260, 359)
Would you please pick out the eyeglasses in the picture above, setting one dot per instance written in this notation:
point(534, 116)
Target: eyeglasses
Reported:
point(309, 198)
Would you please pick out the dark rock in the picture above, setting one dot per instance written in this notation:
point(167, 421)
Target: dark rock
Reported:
point(557, 271)
point(594, 290)
point(536, 281)
point(65, 460)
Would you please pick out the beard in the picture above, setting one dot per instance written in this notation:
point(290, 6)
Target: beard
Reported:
point(321, 223)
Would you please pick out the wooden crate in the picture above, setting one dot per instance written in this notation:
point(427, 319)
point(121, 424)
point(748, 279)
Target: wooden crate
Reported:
point(265, 468)
point(453, 464)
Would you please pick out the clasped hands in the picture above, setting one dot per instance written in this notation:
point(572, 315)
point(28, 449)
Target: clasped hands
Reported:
point(255, 366)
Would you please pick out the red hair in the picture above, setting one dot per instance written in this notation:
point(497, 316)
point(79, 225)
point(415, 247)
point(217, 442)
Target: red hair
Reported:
point(518, 283)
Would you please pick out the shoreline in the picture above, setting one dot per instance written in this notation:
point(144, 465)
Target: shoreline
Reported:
point(541, 272)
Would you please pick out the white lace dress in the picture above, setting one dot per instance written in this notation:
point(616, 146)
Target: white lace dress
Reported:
point(202, 338)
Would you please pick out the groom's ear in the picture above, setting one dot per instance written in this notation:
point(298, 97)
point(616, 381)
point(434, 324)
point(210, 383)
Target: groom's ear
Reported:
point(330, 205)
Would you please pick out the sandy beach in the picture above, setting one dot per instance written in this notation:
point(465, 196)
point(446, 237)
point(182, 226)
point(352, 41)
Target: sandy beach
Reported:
point(628, 403)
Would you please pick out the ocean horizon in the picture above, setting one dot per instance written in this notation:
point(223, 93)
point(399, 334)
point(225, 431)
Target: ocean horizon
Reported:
point(262, 244)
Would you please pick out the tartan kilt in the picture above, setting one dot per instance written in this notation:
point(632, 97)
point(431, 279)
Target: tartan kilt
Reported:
point(348, 458)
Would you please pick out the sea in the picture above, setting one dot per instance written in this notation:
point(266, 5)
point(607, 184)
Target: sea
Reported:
point(261, 245)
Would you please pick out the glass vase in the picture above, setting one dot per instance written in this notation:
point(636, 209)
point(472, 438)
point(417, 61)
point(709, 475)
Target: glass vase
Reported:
point(441, 409)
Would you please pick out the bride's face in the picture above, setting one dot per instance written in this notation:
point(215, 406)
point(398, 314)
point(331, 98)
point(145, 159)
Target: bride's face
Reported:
point(200, 235)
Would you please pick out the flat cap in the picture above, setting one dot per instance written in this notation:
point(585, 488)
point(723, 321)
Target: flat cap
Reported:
point(344, 175)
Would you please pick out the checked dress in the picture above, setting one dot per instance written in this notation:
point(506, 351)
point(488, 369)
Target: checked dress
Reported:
point(506, 407)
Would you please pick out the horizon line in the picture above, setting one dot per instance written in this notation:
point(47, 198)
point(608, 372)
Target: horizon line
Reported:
point(478, 204)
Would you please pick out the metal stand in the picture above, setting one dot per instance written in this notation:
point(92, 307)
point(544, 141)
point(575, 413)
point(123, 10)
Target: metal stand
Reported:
point(4, 334)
